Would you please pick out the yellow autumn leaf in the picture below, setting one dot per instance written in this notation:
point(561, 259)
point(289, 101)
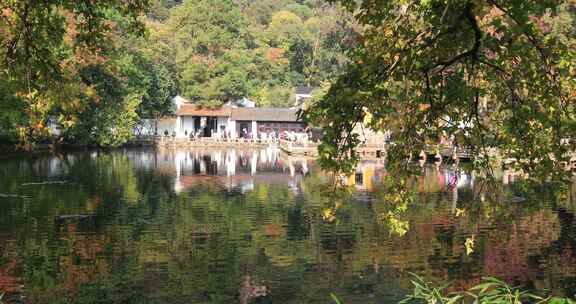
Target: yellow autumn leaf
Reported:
point(469, 244)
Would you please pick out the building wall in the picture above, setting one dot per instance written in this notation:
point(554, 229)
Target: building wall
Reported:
point(166, 125)
point(281, 126)
point(231, 128)
point(183, 126)
point(186, 126)
point(146, 127)
point(221, 126)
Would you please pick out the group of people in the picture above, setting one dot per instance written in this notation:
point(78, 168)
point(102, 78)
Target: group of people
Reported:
point(271, 135)
point(274, 135)
point(191, 134)
point(298, 137)
point(302, 137)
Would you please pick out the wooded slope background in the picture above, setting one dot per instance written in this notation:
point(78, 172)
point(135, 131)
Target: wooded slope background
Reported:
point(98, 69)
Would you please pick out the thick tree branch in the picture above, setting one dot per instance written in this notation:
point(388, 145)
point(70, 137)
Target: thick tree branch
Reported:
point(472, 52)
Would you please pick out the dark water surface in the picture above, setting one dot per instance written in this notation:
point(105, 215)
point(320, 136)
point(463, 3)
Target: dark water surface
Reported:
point(252, 226)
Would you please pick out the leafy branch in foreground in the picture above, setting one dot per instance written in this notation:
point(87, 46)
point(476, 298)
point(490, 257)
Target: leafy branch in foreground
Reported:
point(489, 291)
point(426, 292)
point(487, 74)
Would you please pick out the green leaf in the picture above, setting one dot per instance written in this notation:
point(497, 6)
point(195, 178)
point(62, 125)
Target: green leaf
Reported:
point(454, 299)
point(335, 298)
point(483, 287)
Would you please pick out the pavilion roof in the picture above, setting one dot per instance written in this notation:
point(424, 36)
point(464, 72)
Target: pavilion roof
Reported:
point(257, 114)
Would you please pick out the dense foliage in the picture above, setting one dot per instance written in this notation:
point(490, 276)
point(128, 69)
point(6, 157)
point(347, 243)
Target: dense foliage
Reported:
point(47, 49)
point(488, 73)
point(225, 49)
point(96, 69)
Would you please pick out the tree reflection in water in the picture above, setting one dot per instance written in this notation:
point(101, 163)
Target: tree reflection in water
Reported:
point(222, 226)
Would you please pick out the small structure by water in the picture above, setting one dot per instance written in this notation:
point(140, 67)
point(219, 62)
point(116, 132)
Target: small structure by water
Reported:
point(240, 119)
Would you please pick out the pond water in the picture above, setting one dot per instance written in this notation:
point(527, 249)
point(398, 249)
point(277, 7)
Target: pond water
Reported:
point(256, 226)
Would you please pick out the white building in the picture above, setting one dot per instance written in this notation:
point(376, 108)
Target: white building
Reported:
point(232, 120)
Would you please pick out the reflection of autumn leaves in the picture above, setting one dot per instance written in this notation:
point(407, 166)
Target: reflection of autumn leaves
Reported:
point(8, 282)
point(250, 290)
point(563, 263)
point(507, 256)
point(278, 256)
point(506, 251)
point(274, 230)
point(83, 263)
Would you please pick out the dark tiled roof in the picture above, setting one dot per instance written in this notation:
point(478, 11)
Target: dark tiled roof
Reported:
point(258, 114)
point(266, 114)
point(193, 110)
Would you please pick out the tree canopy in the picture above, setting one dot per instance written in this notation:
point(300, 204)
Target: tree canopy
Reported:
point(97, 68)
point(225, 50)
point(490, 73)
point(45, 47)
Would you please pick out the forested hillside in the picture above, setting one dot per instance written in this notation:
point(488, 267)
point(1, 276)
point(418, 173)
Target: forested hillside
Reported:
point(262, 49)
point(96, 70)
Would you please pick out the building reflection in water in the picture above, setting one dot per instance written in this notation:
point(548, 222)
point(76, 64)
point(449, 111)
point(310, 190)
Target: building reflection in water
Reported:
point(235, 169)
point(232, 169)
point(239, 169)
point(432, 179)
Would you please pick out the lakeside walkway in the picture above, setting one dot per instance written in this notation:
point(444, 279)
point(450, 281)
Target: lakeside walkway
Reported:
point(175, 142)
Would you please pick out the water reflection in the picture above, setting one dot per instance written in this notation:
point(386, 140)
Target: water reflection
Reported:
point(252, 226)
point(229, 169)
